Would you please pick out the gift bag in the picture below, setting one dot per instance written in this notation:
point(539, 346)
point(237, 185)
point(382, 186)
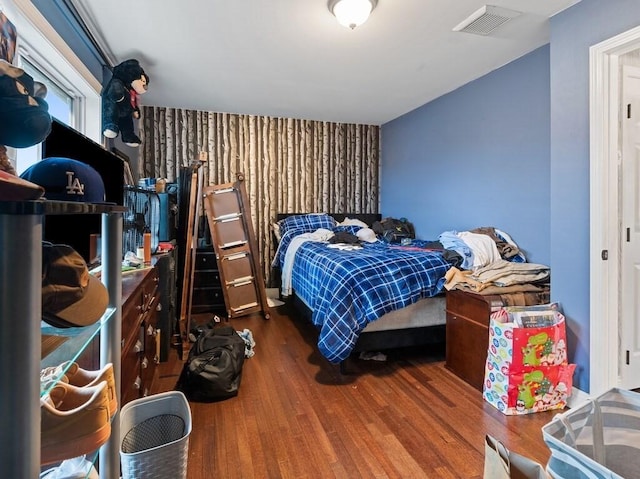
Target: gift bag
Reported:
point(500, 463)
point(528, 389)
point(518, 339)
point(527, 369)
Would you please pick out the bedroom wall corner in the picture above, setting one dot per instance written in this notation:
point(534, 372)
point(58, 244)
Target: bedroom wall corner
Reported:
point(478, 156)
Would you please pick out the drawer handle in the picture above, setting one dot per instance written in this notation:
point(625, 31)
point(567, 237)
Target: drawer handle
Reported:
point(159, 307)
point(138, 346)
point(151, 331)
point(156, 357)
point(137, 383)
point(145, 363)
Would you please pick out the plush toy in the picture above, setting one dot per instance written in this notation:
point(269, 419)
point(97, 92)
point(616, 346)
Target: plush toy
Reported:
point(24, 115)
point(120, 101)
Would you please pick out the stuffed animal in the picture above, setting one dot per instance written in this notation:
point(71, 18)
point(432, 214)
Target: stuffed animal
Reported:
point(24, 113)
point(120, 101)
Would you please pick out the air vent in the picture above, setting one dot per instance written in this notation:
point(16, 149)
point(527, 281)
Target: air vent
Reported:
point(486, 20)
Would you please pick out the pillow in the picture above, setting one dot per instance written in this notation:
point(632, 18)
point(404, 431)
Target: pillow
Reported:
point(295, 225)
point(306, 223)
point(353, 221)
point(367, 234)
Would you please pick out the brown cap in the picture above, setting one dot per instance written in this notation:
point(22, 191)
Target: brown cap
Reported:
point(71, 297)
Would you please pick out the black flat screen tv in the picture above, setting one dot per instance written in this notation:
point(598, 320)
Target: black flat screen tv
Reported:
point(76, 230)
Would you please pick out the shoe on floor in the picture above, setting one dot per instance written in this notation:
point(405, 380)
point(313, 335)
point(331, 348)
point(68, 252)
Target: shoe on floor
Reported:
point(73, 421)
point(70, 372)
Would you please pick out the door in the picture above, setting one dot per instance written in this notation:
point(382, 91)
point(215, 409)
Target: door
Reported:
point(629, 360)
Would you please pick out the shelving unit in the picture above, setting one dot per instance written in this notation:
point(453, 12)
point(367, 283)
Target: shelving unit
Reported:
point(207, 290)
point(21, 235)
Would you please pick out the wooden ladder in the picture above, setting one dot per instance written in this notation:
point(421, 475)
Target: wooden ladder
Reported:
point(236, 249)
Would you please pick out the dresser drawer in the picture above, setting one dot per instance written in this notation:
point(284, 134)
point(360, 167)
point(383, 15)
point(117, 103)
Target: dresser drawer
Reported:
point(205, 260)
point(131, 319)
point(466, 349)
point(141, 291)
point(141, 298)
point(210, 296)
point(206, 278)
point(131, 381)
point(472, 306)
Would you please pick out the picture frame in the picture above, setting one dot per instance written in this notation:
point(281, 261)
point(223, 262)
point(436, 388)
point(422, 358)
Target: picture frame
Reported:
point(8, 39)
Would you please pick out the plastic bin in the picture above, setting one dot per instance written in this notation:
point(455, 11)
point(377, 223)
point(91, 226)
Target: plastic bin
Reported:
point(599, 439)
point(154, 437)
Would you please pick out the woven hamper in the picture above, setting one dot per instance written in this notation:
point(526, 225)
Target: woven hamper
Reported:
point(154, 437)
point(598, 439)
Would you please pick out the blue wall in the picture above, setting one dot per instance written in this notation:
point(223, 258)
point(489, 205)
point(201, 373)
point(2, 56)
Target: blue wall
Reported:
point(572, 33)
point(478, 156)
point(511, 150)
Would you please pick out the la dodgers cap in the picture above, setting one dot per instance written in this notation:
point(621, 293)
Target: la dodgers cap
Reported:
point(71, 296)
point(66, 179)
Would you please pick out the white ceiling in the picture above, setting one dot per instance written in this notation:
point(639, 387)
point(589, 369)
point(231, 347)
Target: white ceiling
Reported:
point(291, 58)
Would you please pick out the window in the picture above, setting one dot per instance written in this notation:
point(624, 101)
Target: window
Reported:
point(73, 93)
point(61, 106)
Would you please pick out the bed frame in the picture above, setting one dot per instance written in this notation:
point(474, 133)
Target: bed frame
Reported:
point(377, 340)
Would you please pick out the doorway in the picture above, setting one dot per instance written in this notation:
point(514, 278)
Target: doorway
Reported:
point(606, 232)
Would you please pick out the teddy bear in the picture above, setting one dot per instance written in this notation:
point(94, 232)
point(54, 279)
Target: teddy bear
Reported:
point(120, 101)
point(23, 110)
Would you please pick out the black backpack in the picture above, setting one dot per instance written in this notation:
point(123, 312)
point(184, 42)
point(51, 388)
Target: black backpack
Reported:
point(214, 367)
point(393, 230)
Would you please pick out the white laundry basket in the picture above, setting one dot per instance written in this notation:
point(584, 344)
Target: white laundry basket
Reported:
point(154, 437)
point(599, 439)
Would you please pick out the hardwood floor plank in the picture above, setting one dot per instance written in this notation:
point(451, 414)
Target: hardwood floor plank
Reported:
point(297, 417)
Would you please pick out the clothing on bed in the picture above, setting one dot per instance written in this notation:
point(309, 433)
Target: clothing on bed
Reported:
point(320, 234)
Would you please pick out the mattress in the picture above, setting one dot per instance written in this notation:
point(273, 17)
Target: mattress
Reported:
point(350, 290)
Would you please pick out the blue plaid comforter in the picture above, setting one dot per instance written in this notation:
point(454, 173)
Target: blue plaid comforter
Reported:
point(348, 289)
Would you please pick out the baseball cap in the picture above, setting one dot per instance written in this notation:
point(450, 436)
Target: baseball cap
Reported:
point(71, 297)
point(26, 120)
point(65, 179)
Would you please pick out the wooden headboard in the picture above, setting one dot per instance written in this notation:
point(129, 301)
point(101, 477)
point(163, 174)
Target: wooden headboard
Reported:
point(368, 218)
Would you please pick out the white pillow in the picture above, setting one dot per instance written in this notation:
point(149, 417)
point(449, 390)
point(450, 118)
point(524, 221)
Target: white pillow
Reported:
point(367, 234)
point(352, 221)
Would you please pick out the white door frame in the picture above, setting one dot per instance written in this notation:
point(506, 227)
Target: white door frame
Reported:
point(605, 228)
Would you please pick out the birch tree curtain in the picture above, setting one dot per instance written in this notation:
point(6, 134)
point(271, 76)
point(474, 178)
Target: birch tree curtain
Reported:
point(290, 165)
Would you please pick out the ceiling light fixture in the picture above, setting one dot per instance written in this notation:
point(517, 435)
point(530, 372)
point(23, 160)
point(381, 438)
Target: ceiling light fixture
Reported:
point(352, 13)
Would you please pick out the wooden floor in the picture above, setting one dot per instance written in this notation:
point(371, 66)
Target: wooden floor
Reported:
point(296, 416)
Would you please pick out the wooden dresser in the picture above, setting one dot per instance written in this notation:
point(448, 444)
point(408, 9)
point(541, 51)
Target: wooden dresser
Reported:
point(140, 336)
point(468, 330)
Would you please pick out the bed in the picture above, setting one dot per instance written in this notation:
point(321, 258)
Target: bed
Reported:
point(372, 298)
